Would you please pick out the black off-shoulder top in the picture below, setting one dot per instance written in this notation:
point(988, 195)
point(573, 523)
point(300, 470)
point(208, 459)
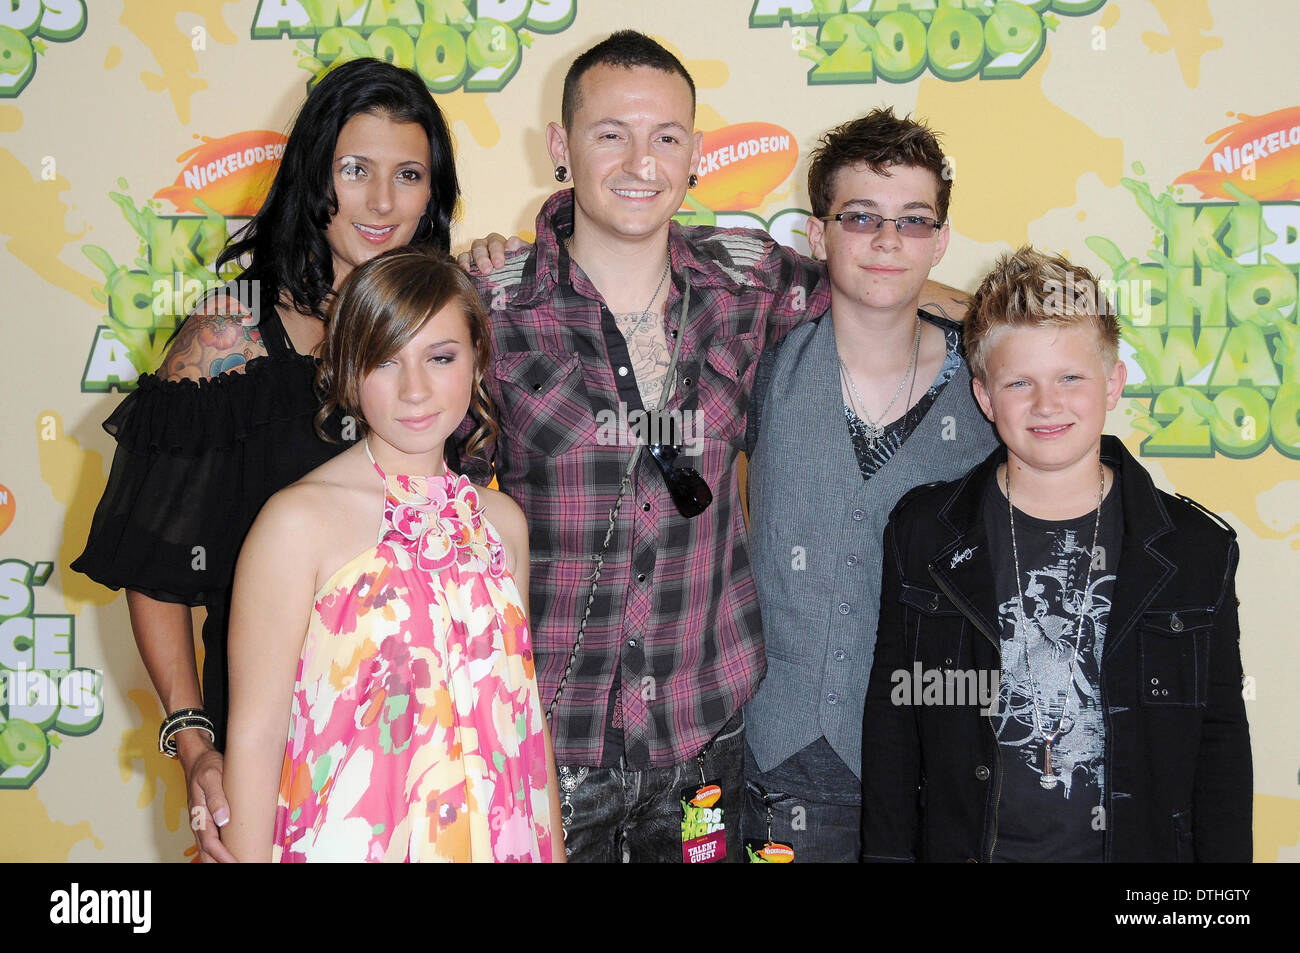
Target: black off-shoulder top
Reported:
point(193, 466)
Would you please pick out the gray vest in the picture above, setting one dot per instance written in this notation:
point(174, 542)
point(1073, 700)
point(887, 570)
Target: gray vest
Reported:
point(815, 540)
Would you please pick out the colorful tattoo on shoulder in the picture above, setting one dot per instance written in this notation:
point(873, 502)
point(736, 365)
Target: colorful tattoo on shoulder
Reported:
point(227, 363)
point(211, 344)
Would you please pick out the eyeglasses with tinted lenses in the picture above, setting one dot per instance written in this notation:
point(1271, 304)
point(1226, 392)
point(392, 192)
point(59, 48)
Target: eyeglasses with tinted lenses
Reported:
point(691, 495)
point(909, 226)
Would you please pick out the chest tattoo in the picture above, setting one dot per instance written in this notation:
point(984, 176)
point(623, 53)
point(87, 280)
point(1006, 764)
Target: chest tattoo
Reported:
point(647, 346)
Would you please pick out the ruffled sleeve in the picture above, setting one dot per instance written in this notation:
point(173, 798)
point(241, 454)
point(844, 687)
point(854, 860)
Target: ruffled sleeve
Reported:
point(194, 464)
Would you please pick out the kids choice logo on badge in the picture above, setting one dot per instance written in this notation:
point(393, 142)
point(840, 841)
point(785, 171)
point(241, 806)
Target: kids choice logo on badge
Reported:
point(221, 182)
point(25, 28)
point(1213, 344)
point(449, 43)
point(43, 695)
point(860, 41)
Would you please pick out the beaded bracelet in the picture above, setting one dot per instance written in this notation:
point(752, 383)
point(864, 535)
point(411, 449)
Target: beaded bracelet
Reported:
point(179, 721)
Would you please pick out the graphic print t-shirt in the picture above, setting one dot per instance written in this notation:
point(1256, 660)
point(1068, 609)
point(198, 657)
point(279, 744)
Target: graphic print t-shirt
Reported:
point(1063, 822)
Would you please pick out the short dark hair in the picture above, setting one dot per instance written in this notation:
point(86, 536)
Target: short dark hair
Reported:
point(878, 139)
point(285, 241)
point(628, 49)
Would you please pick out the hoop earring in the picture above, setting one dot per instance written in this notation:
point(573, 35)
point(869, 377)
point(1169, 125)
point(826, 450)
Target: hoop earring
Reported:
point(561, 173)
point(693, 181)
point(423, 230)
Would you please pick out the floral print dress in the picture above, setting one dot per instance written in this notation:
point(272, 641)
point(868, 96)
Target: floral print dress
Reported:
point(416, 732)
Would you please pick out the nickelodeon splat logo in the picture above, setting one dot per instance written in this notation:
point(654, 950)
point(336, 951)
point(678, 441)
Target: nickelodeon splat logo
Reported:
point(224, 181)
point(1259, 154)
point(25, 25)
point(8, 507)
point(859, 41)
point(740, 166)
point(475, 44)
point(1214, 343)
point(43, 696)
point(230, 175)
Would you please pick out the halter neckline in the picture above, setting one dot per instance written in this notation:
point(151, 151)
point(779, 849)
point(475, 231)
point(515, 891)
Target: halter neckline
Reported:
point(446, 470)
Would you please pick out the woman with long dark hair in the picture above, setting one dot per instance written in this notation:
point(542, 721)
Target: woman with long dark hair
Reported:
point(227, 420)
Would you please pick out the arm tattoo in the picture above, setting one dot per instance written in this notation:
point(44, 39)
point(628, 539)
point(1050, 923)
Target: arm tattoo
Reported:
point(209, 345)
point(934, 307)
point(946, 302)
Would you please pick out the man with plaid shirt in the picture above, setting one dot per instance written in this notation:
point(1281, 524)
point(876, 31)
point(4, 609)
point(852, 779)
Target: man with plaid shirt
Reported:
point(672, 645)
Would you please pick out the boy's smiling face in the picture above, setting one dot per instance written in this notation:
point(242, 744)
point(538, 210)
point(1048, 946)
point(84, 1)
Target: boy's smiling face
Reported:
point(1047, 391)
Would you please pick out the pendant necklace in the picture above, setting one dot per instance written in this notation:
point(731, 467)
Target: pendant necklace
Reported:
point(875, 429)
point(1064, 723)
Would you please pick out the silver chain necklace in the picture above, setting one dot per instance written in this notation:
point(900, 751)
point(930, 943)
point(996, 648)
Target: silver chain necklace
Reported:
point(875, 429)
point(568, 244)
point(658, 288)
point(1048, 778)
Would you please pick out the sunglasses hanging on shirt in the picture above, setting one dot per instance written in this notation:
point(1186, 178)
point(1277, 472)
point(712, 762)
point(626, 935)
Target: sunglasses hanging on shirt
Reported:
point(691, 494)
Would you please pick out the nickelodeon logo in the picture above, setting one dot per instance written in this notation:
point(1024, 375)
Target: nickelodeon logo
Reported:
point(1257, 154)
point(740, 165)
point(230, 175)
point(7, 507)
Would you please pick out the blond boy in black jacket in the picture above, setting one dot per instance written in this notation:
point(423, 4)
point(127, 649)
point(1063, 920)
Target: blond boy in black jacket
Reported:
point(1057, 673)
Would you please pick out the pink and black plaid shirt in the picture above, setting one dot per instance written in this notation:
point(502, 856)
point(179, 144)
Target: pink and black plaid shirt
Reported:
point(676, 618)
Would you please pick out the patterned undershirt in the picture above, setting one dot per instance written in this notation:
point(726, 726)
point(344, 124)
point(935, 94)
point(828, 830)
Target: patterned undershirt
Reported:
point(870, 459)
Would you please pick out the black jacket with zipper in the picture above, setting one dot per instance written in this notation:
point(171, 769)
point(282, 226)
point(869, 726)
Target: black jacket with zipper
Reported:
point(1178, 763)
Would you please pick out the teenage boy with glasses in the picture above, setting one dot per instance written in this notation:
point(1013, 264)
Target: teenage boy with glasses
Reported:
point(849, 413)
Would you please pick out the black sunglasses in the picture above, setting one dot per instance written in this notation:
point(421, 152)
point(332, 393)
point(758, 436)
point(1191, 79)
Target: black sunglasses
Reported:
point(690, 493)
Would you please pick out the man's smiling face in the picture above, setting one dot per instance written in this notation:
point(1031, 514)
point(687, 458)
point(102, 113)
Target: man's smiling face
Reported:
point(631, 150)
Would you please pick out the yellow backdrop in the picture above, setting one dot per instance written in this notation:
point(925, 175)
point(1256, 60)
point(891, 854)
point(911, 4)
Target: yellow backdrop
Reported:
point(1157, 141)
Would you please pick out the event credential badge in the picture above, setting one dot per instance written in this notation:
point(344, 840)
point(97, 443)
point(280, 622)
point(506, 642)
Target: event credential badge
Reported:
point(704, 833)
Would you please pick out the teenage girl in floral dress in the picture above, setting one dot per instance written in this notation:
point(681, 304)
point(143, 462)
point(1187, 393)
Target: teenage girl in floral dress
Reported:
point(383, 699)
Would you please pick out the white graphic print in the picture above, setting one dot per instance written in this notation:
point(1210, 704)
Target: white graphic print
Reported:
point(1045, 638)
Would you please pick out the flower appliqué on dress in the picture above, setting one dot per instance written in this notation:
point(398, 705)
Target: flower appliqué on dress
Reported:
point(440, 522)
